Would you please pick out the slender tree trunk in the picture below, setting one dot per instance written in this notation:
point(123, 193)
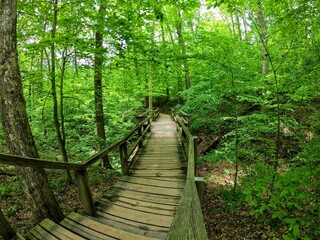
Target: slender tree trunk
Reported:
point(150, 88)
point(98, 93)
point(239, 27)
point(14, 118)
point(263, 38)
point(183, 51)
point(61, 140)
point(151, 62)
point(233, 25)
point(179, 80)
point(61, 113)
point(165, 63)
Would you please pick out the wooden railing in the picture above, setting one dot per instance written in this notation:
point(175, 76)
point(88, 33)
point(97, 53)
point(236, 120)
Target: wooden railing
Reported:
point(80, 169)
point(185, 117)
point(188, 222)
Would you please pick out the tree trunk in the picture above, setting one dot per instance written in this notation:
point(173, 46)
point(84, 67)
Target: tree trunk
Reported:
point(263, 39)
point(183, 51)
point(14, 118)
point(98, 97)
point(61, 140)
point(6, 231)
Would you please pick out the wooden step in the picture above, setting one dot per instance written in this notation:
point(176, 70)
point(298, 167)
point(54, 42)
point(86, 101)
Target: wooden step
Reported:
point(92, 229)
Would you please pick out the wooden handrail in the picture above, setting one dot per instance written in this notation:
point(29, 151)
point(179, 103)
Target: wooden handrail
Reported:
point(81, 168)
point(188, 222)
point(20, 161)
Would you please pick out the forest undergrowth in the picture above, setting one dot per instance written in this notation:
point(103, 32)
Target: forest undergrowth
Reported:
point(15, 206)
point(227, 217)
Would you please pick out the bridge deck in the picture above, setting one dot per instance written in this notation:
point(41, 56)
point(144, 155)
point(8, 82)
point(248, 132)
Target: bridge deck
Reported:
point(139, 206)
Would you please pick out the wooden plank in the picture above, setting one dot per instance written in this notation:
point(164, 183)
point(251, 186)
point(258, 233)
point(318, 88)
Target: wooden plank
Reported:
point(160, 161)
point(160, 167)
point(135, 226)
point(39, 233)
point(135, 202)
point(159, 173)
point(32, 235)
point(147, 197)
point(104, 229)
point(161, 156)
point(59, 231)
point(137, 216)
point(83, 230)
point(138, 206)
point(167, 179)
point(153, 162)
point(160, 148)
point(140, 230)
point(156, 165)
point(153, 182)
point(149, 189)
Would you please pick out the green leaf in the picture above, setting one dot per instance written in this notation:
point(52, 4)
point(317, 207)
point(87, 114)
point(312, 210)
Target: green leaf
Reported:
point(296, 231)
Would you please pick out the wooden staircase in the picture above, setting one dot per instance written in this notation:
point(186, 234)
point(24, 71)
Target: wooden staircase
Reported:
point(139, 206)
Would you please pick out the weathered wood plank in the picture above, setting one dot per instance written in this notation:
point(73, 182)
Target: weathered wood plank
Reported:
point(153, 182)
point(137, 216)
point(152, 198)
point(59, 231)
point(102, 216)
point(41, 234)
point(134, 202)
point(133, 227)
point(104, 229)
point(149, 189)
point(136, 205)
point(159, 173)
point(83, 230)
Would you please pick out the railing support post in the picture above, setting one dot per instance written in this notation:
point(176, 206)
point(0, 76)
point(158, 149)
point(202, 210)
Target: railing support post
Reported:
point(140, 130)
point(124, 158)
point(148, 123)
point(84, 191)
point(6, 232)
point(195, 147)
point(200, 187)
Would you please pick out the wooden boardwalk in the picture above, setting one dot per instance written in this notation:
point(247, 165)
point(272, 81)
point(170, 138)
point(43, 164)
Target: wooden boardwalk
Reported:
point(139, 206)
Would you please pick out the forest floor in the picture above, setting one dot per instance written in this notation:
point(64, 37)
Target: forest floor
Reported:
point(224, 219)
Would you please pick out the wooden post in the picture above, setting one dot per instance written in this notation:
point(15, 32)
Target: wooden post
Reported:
point(195, 146)
point(140, 130)
point(6, 232)
point(149, 122)
point(84, 191)
point(124, 158)
point(200, 187)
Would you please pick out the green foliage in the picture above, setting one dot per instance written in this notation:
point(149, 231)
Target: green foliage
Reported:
point(8, 188)
point(98, 174)
point(292, 202)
